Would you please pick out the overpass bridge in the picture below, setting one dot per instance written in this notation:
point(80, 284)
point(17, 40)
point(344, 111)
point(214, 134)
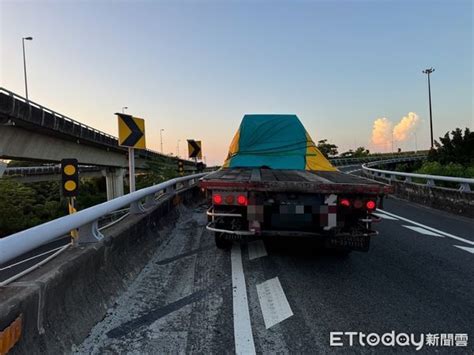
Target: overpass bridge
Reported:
point(154, 283)
point(30, 131)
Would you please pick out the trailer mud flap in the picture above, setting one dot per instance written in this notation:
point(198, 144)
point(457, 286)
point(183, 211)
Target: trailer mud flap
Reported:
point(354, 242)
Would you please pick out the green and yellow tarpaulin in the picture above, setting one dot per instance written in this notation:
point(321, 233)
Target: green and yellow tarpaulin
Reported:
point(276, 142)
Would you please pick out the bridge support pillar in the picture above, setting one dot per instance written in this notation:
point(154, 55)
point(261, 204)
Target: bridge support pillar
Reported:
point(114, 181)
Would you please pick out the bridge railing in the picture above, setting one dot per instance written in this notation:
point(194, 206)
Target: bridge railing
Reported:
point(371, 158)
point(463, 183)
point(32, 113)
point(86, 221)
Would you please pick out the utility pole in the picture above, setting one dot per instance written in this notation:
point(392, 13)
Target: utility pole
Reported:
point(24, 63)
point(161, 140)
point(429, 72)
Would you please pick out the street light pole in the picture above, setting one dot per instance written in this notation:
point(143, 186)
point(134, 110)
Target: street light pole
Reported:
point(24, 62)
point(161, 140)
point(429, 72)
point(177, 148)
point(124, 108)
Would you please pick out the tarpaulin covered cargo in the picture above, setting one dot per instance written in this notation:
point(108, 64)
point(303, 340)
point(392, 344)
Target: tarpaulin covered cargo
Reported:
point(276, 142)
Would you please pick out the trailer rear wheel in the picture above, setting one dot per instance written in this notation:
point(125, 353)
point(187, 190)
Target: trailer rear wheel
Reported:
point(222, 243)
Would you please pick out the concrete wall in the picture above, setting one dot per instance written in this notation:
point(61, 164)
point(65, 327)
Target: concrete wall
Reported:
point(63, 300)
point(461, 203)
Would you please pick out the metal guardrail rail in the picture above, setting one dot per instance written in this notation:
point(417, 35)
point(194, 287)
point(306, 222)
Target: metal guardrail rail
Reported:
point(44, 170)
point(371, 158)
point(464, 183)
point(86, 221)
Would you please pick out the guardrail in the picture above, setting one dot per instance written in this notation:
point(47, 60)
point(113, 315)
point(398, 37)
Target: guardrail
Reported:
point(44, 170)
point(370, 158)
point(86, 221)
point(464, 183)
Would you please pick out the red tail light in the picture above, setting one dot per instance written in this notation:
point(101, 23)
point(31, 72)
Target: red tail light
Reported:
point(229, 199)
point(345, 202)
point(217, 199)
point(242, 200)
point(370, 205)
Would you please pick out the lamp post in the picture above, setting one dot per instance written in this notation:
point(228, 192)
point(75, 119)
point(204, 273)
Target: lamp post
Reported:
point(24, 62)
point(124, 108)
point(429, 72)
point(161, 140)
point(177, 148)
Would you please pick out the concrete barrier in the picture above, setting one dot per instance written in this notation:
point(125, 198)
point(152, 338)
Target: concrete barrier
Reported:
point(451, 200)
point(63, 300)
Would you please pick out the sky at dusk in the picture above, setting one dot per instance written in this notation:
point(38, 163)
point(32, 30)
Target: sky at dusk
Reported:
point(350, 70)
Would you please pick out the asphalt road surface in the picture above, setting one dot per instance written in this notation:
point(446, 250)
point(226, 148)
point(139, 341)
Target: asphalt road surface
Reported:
point(286, 296)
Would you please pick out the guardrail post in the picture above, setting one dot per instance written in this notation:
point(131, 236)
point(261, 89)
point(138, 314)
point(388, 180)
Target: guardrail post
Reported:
point(150, 201)
point(465, 187)
point(89, 233)
point(171, 189)
point(430, 182)
point(408, 179)
point(136, 208)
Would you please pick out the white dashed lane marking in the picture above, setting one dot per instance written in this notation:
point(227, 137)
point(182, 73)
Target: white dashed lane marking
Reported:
point(423, 231)
point(243, 336)
point(434, 230)
point(273, 302)
point(468, 249)
point(256, 249)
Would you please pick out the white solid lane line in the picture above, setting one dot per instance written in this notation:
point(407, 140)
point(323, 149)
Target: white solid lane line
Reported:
point(273, 302)
point(256, 249)
point(468, 249)
point(384, 216)
point(429, 228)
point(423, 231)
point(243, 336)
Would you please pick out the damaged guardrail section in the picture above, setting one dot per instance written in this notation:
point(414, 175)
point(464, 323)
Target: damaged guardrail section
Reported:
point(60, 302)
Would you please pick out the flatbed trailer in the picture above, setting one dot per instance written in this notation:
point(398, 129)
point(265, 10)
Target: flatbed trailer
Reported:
point(334, 207)
point(261, 179)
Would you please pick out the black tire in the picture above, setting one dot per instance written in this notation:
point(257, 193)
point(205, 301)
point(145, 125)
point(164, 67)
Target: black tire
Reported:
point(222, 243)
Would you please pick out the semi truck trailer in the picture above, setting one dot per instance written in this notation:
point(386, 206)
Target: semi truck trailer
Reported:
point(275, 182)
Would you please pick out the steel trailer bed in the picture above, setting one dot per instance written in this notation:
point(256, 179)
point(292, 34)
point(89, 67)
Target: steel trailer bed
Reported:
point(261, 179)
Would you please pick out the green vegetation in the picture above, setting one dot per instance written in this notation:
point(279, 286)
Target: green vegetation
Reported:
point(25, 205)
point(450, 169)
point(458, 149)
point(453, 156)
point(327, 149)
point(360, 152)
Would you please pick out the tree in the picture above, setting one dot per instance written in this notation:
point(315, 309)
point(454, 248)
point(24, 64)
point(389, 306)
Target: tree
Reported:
point(16, 207)
point(327, 149)
point(358, 153)
point(458, 149)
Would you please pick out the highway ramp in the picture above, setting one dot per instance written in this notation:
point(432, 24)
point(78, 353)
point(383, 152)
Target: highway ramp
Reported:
point(281, 297)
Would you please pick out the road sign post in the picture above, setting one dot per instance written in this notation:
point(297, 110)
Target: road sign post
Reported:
point(131, 168)
point(131, 135)
point(70, 186)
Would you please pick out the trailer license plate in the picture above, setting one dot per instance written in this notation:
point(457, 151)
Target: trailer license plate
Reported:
point(355, 242)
